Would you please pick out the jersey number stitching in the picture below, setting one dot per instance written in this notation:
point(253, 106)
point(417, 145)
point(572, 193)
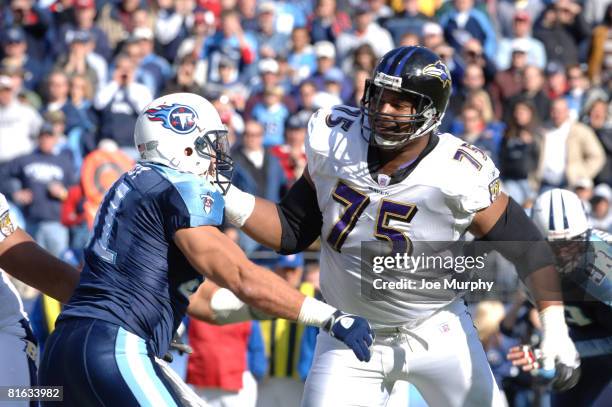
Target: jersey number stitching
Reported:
point(468, 152)
point(100, 246)
point(355, 203)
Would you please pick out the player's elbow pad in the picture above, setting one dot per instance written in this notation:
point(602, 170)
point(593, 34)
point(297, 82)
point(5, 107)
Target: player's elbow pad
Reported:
point(300, 218)
point(517, 238)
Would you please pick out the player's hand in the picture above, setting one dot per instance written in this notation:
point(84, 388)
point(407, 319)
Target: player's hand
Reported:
point(354, 331)
point(556, 346)
point(562, 377)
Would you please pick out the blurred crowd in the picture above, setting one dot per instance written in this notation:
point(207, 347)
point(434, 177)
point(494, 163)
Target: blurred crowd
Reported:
point(531, 86)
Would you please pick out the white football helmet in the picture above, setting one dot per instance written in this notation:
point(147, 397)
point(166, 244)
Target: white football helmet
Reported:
point(559, 215)
point(184, 131)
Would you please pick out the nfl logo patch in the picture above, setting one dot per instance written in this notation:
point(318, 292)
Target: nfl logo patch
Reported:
point(384, 180)
point(208, 202)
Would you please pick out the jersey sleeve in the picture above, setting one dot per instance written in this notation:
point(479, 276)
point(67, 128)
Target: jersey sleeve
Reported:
point(317, 141)
point(189, 201)
point(473, 179)
point(6, 225)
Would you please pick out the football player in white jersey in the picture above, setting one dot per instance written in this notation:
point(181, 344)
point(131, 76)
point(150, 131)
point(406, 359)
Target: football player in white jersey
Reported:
point(382, 173)
point(24, 259)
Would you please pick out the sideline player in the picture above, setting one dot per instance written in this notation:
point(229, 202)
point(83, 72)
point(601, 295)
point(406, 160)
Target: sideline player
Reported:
point(584, 257)
point(381, 173)
point(24, 259)
point(153, 239)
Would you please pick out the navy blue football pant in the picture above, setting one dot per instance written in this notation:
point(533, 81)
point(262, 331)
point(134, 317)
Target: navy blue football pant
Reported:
point(102, 364)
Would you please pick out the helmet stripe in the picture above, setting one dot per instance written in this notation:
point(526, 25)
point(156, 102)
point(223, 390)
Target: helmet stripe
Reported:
point(551, 214)
point(402, 62)
point(565, 222)
point(390, 59)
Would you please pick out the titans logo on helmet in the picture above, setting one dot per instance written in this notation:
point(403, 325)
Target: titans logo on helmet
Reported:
point(438, 70)
point(178, 118)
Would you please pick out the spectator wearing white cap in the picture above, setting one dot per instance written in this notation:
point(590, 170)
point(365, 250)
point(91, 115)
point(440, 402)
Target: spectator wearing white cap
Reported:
point(411, 20)
point(432, 35)
point(325, 52)
point(521, 29)
point(152, 70)
point(509, 82)
point(269, 74)
point(583, 187)
point(601, 213)
point(364, 31)
point(19, 123)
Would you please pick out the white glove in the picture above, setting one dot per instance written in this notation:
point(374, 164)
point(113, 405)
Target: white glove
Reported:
point(6, 225)
point(556, 346)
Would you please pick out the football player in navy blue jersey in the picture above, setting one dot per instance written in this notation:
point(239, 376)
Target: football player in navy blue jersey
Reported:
point(584, 260)
point(154, 238)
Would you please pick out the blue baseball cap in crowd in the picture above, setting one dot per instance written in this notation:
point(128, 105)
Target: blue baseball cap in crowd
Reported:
point(291, 261)
point(14, 35)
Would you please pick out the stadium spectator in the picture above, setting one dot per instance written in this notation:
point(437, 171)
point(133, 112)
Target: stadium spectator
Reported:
point(475, 131)
point(595, 11)
point(256, 170)
point(508, 83)
point(15, 53)
point(473, 80)
point(84, 14)
point(521, 30)
point(77, 59)
point(272, 114)
point(270, 43)
point(301, 57)
point(24, 95)
point(327, 22)
point(116, 20)
point(58, 92)
point(600, 56)
point(19, 124)
point(361, 58)
point(601, 213)
point(248, 14)
point(380, 10)
point(39, 184)
point(570, 149)
point(364, 31)
point(184, 80)
point(532, 91)
point(307, 92)
point(432, 35)
point(119, 103)
point(463, 22)
point(598, 120)
point(229, 84)
point(559, 44)
point(326, 57)
point(230, 41)
point(556, 80)
point(292, 155)
point(151, 70)
point(359, 80)
point(35, 22)
point(217, 369)
point(578, 86)
point(269, 72)
point(520, 152)
point(506, 11)
point(410, 20)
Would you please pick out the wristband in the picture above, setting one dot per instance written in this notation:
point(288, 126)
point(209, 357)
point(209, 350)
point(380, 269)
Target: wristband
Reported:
point(553, 321)
point(315, 312)
point(239, 206)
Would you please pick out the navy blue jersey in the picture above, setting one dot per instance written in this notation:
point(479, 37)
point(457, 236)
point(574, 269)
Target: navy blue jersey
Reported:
point(588, 294)
point(134, 274)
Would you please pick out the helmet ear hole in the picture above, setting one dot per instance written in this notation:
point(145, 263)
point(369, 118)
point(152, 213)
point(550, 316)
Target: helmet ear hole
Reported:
point(188, 151)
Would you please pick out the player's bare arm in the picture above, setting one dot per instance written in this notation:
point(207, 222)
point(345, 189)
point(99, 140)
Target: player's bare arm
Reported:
point(287, 227)
point(505, 221)
point(218, 258)
point(25, 260)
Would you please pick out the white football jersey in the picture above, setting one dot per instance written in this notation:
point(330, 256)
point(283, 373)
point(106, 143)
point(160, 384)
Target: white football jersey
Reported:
point(435, 202)
point(11, 307)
